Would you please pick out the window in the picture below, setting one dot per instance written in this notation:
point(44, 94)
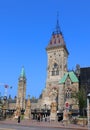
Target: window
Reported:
point(55, 70)
point(58, 40)
point(53, 73)
point(68, 93)
point(55, 65)
point(55, 41)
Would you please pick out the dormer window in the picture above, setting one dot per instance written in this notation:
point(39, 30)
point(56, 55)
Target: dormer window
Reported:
point(55, 41)
point(58, 40)
point(57, 35)
point(53, 36)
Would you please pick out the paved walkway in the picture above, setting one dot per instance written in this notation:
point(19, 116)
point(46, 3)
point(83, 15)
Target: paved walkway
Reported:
point(43, 124)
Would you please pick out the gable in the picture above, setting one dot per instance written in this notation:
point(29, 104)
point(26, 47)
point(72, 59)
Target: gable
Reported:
point(72, 77)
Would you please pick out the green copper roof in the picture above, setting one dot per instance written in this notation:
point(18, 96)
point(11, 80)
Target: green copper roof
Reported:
point(23, 73)
point(71, 75)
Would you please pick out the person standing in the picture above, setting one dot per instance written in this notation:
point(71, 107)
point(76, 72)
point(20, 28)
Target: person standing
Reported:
point(18, 119)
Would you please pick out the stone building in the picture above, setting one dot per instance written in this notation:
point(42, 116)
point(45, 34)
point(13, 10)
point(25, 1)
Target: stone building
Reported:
point(57, 55)
point(21, 96)
point(59, 82)
point(69, 84)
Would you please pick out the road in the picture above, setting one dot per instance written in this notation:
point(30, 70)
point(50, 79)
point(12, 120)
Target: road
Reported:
point(18, 127)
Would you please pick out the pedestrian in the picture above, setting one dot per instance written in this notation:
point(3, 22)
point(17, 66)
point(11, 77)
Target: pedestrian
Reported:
point(18, 119)
point(39, 117)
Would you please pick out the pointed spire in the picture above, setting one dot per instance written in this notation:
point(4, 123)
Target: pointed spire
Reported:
point(22, 75)
point(57, 30)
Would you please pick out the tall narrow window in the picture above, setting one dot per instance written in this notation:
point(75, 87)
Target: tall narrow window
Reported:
point(53, 73)
point(55, 41)
point(55, 70)
point(68, 93)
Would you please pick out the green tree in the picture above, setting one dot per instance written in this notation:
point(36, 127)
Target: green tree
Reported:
point(80, 97)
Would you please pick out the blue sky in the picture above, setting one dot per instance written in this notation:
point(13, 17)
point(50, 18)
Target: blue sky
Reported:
point(26, 27)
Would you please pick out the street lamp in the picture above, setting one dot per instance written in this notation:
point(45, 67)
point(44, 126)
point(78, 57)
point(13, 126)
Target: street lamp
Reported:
point(45, 112)
point(88, 110)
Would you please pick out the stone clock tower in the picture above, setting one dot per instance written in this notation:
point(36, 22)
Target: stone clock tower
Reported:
point(21, 90)
point(57, 54)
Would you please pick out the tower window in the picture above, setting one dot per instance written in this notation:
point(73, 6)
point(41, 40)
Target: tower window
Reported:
point(53, 73)
point(55, 70)
point(55, 65)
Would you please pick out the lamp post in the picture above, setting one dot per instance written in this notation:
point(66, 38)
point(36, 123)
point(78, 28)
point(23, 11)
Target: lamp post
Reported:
point(88, 110)
point(45, 112)
point(4, 106)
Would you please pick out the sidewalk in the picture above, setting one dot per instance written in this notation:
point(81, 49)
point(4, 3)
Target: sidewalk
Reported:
point(42, 124)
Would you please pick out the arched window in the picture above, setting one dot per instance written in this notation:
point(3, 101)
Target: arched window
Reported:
point(55, 70)
point(55, 65)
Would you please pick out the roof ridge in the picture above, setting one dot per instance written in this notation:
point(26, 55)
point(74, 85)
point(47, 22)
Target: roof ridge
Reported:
point(72, 76)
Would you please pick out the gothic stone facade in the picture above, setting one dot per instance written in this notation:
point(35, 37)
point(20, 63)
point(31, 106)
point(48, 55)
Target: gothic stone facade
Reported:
point(68, 86)
point(57, 66)
point(21, 90)
point(57, 54)
point(55, 90)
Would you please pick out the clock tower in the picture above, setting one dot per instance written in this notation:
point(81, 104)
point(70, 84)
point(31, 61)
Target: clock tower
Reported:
point(57, 55)
point(21, 90)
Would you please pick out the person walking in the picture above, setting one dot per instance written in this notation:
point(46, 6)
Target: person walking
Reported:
point(19, 119)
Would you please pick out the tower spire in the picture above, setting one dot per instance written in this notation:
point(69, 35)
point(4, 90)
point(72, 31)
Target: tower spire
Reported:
point(22, 75)
point(21, 89)
point(58, 30)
